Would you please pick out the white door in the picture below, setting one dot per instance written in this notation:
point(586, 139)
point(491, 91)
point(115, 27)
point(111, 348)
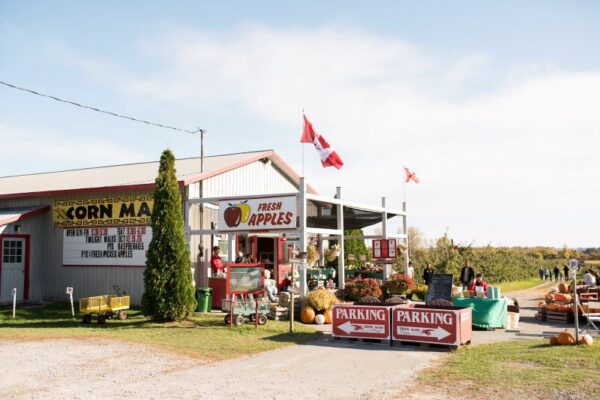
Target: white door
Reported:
point(13, 268)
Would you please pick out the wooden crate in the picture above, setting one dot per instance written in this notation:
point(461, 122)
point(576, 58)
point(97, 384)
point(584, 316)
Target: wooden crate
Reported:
point(560, 317)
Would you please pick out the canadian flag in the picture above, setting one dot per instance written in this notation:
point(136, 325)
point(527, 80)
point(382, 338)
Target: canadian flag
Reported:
point(329, 158)
point(410, 176)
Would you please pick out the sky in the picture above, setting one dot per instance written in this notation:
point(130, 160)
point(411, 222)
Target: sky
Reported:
point(494, 105)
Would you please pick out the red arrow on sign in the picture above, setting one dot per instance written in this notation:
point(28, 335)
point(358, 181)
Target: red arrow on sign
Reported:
point(350, 327)
point(439, 333)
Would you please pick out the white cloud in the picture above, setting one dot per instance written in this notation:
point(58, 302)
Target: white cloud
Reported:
point(47, 151)
point(514, 164)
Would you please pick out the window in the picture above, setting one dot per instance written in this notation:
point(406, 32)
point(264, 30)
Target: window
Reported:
point(12, 251)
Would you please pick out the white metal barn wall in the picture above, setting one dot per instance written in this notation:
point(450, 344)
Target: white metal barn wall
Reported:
point(255, 178)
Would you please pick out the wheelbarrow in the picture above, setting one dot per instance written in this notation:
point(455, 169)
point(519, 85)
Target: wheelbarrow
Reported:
point(106, 306)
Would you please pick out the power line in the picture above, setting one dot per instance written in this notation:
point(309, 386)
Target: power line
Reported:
point(102, 111)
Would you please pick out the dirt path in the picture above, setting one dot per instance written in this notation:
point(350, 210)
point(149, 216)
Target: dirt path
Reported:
point(86, 369)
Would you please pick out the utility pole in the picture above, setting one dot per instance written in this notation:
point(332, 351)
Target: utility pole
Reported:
point(201, 193)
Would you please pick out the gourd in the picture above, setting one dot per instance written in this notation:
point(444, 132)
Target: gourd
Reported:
point(319, 319)
point(587, 340)
point(563, 288)
point(552, 307)
point(307, 315)
point(566, 337)
point(328, 314)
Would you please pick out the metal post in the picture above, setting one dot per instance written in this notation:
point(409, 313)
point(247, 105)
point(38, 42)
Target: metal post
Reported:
point(14, 294)
point(202, 266)
point(576, 302)
point(302, 215)
point(340, 225)
point(291, 290)
point(405, 231)
point(387, 270)
point(70, 293)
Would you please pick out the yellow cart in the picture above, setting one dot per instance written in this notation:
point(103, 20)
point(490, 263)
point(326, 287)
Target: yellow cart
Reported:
point(104, 307)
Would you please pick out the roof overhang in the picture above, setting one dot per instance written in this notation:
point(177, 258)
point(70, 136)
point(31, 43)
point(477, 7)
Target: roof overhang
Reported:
point(10, 215)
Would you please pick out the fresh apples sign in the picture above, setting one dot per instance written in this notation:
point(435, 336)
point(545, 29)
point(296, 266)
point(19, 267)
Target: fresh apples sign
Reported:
point(258, 214)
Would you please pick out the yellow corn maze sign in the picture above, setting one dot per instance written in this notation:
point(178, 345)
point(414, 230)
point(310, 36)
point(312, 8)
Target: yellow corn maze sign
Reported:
point(106, 211)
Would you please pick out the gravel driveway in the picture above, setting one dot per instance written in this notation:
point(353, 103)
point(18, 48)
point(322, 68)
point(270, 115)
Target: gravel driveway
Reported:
point(323, 369)
point(86, 369)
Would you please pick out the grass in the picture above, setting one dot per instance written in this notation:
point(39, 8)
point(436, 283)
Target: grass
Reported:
point(204, 336)
point(518, 285)
point(518, 369)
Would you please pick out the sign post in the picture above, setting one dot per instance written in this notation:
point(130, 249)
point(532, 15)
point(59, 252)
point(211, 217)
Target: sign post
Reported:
point(70, 294)
point(573, 265)
point(14, 295)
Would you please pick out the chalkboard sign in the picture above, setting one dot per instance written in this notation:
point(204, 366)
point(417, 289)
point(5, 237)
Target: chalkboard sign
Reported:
point(245, 278)
point(440, 288)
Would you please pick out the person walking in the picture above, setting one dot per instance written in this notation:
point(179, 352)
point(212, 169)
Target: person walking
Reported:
point(566, 272)
point(467, 274)
point(556, 272)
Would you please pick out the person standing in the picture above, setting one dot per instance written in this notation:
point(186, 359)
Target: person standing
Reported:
point(216, 263)
point(427, 273)
point(541, 272)
point(556, 272)
point(410, 270)
point(467, 274)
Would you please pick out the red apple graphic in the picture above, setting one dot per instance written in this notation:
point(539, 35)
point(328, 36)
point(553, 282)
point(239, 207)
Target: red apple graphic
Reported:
point(232, 215)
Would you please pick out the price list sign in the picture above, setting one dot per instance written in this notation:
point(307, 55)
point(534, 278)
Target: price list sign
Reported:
point(384, 248)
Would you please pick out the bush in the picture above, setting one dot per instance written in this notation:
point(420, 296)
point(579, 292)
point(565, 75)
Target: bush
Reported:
point(358, 288)
point(320, 299)
point(400, 284)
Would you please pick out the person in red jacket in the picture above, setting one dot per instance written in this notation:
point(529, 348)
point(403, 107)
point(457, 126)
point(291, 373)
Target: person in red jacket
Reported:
point(478, 281)
point(216, 263)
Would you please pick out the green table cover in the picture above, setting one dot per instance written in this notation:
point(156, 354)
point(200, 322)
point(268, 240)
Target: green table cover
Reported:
point(487, 313)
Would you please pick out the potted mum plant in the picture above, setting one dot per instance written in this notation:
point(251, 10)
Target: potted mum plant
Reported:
point(400, 284)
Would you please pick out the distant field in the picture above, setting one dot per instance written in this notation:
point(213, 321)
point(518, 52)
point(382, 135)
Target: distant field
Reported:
point(592, 262)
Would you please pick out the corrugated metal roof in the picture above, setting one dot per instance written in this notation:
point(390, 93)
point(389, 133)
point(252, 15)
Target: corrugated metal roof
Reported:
point(8, 215)
point(137, 175)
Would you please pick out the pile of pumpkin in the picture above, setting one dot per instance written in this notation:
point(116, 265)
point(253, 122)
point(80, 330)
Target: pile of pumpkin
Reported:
point(317, 307)
point(566, 337)
point(558, 296)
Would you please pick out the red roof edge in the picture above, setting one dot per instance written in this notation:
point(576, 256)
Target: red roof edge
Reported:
point(25, 215)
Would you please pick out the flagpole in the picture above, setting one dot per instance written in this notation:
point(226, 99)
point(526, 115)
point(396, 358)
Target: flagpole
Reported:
point(404, 185)
point(302, 144)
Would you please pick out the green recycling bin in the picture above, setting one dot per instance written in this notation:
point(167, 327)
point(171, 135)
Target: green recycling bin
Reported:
point(204, 299)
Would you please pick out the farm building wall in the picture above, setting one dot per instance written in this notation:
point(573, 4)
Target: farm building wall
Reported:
point(48, 276)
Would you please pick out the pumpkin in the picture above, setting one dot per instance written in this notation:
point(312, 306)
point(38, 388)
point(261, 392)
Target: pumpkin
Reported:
point(328, 314)
point(564, 308)
point(587, 340)
point(566, 337)
point(307, 315)
point(562, 297)
point(553, 340)
point(552, 307)
point(563, 288)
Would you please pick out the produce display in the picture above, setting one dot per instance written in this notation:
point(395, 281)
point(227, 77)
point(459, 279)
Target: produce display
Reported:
point(318, 307)
point(567, 338)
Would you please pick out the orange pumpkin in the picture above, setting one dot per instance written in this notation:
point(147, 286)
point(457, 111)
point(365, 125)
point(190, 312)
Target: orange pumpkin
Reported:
point(553, 340)
point(564, 308)
point(328, 315)
point(566, 337)
point(562, 297)
point(307, 315)
point(552, 307)
point(563, 288)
